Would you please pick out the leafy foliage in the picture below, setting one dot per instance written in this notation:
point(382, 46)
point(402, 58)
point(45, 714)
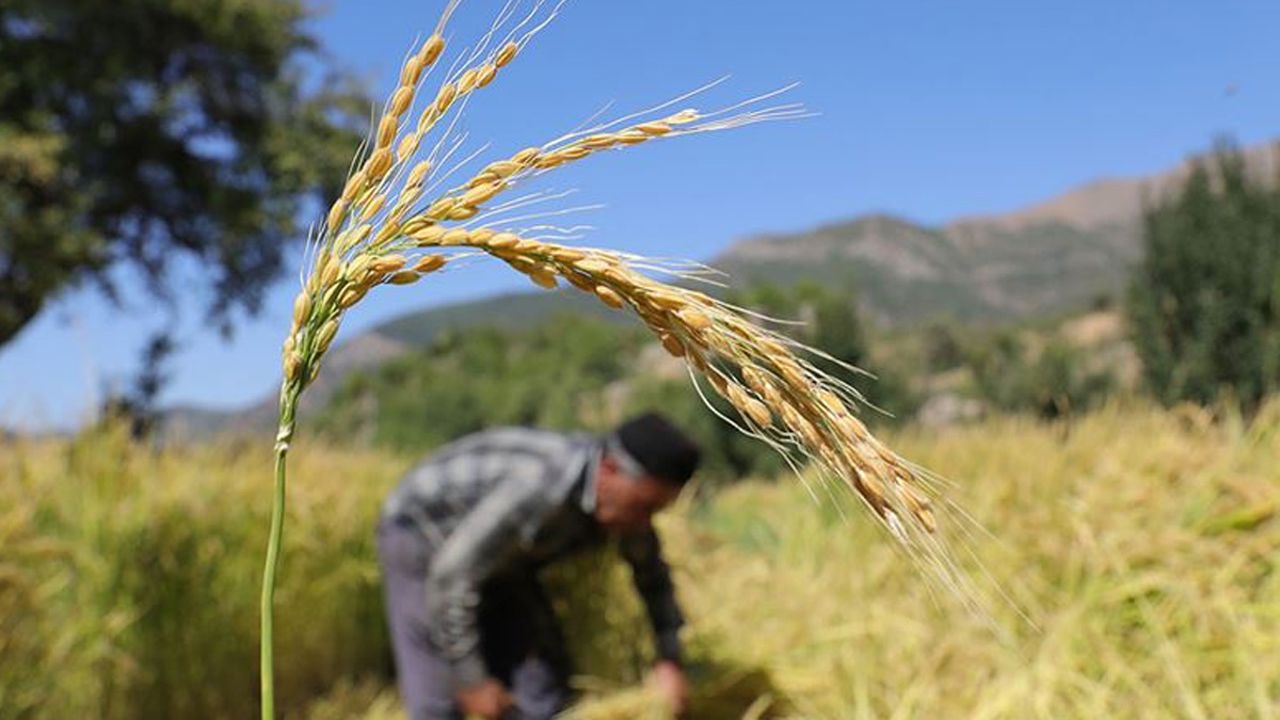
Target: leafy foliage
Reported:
point(552, 375)
point(1056, 381)
point(1205, 302)
point(134, 133)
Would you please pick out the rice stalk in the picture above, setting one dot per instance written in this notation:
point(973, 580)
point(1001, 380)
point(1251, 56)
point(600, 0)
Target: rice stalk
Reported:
point(396, 222)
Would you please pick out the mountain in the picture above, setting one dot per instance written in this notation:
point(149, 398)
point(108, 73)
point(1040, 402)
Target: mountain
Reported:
point(1049, 257)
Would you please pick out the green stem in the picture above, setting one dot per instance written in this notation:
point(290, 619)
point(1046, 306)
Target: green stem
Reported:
point(269, 590)
point(288, 401)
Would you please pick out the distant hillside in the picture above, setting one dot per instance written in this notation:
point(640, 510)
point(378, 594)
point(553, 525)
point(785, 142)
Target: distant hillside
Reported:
point(1050, 257)
point(976, 270)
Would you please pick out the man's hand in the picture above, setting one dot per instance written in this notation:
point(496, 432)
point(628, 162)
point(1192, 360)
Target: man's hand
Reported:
point(670, 682)
point(488, 699)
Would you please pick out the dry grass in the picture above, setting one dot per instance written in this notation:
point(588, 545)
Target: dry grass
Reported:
point(1143, 543)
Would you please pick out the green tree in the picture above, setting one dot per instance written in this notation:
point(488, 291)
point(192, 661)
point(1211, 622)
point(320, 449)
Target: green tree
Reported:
point(1204, 303)
point(1054, 382)
point(133, 133)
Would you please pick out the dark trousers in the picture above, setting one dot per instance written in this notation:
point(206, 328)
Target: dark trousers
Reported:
point(520, 639)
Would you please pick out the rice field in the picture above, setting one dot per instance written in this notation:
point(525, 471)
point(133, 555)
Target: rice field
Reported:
point(1141, 545)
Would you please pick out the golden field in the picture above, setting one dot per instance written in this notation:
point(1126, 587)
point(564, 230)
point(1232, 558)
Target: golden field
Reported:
point(1137, 546)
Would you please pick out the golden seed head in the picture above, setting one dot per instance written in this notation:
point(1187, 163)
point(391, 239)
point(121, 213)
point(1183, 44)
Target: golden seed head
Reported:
point(379, 163)
point(526, 156)
point(352, 238)
point(412, 71)
point(616, 275)
point(594, 266)
point(774, 398)
point(468, 80)
point(351, 296)
point(336, 212)
point(927, 518)
point(301, 309)
point(580, 281)
point(567, 255)
point(445, 97)
point(354, 184)
point(431, 49)
point(401, 100)
point(502, 168)
point(506, 54)
point(481, 194)
point(388, 230)
point(326, 334)
point(672, 344)
point(694, 319)
point(455, 236)
point(330, 269)
point(429, 263)
point(440, 209)
point(462, 212)
point(426, 234)
point(758, 412)
point(403, 277)
point(598, 141)
point(547, 162)
point(831, 401)
point(790, 370)
point(372, 207)
point(292, 365)
point(356, 268)
point(665, 300)
point(608, 297)
point(289, 344)
point(525, 245)
point(519, 262)
point(503, 241)
point(486, 75)
point(654, 128)
point(480, 236)
point(544, 278)
point(387, 130)
point(851, 427)
point(632, 136)
point(388, 264)
point(418, 173)
point(408, 144)
point(484, 177)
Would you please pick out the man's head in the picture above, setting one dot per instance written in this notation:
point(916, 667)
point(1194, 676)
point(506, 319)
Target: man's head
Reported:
point(646, 462)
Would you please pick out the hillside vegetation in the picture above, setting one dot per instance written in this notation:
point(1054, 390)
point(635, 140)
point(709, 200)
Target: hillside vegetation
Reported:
point(1140, 542)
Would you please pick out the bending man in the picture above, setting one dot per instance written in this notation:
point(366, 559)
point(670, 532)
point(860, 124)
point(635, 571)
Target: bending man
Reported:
point(463, 536)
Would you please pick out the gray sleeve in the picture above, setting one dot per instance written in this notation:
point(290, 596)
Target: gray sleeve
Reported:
point(652, 576)
point(479, 545)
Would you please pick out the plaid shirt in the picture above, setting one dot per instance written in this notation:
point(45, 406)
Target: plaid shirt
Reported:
point(508, 501)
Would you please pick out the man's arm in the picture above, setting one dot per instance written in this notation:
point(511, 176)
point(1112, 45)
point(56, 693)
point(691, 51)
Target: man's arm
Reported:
point(643, 551)
point(478, 546)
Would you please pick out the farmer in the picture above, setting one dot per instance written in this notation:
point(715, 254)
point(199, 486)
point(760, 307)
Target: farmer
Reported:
point(463, 536)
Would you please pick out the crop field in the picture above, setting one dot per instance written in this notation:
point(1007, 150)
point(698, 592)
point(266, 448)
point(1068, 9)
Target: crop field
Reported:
point(1136, 549)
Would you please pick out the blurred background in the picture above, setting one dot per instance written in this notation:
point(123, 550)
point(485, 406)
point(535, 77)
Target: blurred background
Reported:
point(1051, 232)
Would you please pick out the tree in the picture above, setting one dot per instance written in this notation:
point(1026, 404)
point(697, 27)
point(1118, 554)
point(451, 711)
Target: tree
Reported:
point(1204, 303)
point(134, 133)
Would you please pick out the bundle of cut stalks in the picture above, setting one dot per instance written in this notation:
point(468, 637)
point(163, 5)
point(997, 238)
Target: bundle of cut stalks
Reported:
point(403, 216)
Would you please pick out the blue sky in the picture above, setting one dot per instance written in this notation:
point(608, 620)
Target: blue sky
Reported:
point(930, 110)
